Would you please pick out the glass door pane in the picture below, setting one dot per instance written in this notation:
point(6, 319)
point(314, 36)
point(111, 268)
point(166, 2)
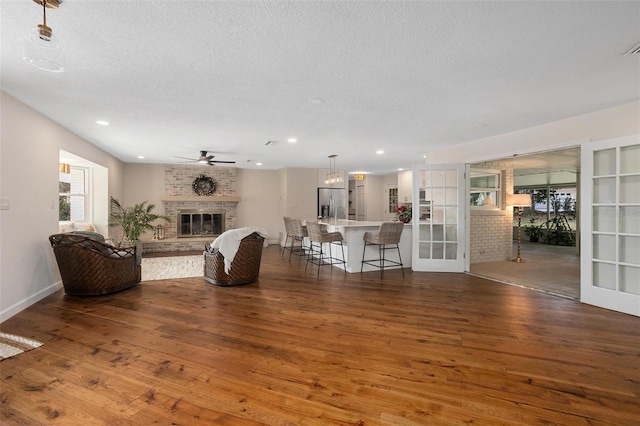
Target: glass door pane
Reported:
point(440, 202)
point(611, 256)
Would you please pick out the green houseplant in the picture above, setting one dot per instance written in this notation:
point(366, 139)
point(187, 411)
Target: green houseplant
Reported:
point(533, 232)
point(133, 220)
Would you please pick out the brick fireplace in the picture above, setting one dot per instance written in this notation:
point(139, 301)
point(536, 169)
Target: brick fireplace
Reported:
point(198, 223)
point(179, 197)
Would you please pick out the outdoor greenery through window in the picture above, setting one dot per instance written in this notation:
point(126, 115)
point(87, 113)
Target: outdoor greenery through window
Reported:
point(552, 213)
point(74, 196)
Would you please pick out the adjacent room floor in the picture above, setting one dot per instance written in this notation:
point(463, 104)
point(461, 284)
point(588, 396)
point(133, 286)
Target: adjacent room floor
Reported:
point(549, 268)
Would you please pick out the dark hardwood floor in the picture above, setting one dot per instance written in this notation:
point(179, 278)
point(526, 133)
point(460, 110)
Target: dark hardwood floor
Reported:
point(292, 349)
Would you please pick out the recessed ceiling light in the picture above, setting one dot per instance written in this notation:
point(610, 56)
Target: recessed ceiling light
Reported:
point(292, 140)
point(316, 101)
point(102, 122)
point(258, 164)
point(379, 152)
point(141, 157)
point(400, 169)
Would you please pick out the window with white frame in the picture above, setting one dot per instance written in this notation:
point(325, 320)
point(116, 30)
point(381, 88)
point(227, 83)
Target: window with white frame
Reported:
point(74, 195)
point(484, 189)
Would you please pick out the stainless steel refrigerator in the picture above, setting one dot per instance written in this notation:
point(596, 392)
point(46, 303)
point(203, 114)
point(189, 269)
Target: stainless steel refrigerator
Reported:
point(332, 202)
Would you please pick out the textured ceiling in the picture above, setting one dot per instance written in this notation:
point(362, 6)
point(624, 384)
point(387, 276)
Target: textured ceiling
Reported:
point(177, 77)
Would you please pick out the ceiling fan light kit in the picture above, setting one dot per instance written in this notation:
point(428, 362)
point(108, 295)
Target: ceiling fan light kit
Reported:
point(41, 49)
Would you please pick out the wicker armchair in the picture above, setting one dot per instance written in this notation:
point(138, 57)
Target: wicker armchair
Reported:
point(246, 263)
point(90, 267)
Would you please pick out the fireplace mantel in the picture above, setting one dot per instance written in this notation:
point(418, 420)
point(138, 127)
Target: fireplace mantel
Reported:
point(205, 199)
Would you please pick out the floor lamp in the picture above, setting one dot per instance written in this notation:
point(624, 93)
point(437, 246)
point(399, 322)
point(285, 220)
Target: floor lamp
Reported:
point(519, 201)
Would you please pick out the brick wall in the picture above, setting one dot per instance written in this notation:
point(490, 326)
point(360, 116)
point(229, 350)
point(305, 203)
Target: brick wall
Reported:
point(178, 180)
point(491, 238)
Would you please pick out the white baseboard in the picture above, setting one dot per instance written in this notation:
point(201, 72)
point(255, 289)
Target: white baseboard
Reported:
point(34, 298)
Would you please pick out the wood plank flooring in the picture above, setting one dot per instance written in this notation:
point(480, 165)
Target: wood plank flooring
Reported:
point(292, 349)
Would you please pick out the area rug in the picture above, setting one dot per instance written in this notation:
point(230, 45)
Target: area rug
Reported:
point(162, 268)
point(12, 345)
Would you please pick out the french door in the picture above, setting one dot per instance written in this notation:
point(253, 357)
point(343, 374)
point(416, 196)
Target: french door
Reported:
point(438, 217)
point(610, 212)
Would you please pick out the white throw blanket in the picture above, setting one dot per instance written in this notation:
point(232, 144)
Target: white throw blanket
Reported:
point(228, 243)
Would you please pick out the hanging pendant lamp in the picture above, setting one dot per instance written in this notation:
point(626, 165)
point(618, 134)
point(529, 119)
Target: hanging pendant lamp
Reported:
point(333, 176)
point(41, 48)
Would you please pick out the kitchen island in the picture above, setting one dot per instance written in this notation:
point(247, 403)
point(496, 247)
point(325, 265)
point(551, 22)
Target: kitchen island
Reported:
point(353, 232)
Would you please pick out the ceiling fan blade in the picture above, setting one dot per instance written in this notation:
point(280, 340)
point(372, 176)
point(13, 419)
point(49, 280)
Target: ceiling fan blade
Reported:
point(220, 161)
point(185, 158)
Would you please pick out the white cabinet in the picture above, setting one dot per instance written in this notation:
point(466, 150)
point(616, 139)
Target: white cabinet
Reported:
point(390, 202)
point(405, 185)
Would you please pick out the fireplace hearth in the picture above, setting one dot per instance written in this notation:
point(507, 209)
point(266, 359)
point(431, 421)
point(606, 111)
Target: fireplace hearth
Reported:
point(198, 223)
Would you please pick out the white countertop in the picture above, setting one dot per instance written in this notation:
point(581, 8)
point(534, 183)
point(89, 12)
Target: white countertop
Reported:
point(351, 223)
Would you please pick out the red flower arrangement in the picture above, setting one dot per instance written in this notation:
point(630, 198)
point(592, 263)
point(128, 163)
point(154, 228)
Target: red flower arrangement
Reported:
point(403, 213)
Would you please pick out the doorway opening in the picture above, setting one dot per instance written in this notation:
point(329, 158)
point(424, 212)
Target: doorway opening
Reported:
point(552, 178)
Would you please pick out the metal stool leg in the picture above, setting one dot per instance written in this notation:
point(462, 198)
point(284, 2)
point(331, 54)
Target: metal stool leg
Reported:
point(311, 255)
point(400, 259)
point(284, 246)
point(320, 261)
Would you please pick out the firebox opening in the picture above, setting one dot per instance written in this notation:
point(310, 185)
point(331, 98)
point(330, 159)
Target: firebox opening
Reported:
point(197, 223)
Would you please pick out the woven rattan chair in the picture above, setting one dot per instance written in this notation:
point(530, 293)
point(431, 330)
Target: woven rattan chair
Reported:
point(388, 234)
point(317, 238)
point(90, 267)
point(287, 230)
point(246, 263)
point(296, 232)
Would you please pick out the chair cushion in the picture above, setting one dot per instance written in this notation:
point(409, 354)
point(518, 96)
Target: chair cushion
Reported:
point(92, 235)
point(85, 227)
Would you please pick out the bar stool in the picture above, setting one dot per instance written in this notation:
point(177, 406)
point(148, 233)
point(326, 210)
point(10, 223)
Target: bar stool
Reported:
point(297, 233)
point(287, 230)
point(317, 237)
point(388, 234)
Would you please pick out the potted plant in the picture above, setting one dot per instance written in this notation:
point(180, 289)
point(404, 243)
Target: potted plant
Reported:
point(533, 232)
point(133, 220)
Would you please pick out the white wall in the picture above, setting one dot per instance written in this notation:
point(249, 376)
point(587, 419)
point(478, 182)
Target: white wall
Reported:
point(259, 201)
point(375, 194)
point(622, 120)
point(144, 182)
point(29, 150)
point(301, 194)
